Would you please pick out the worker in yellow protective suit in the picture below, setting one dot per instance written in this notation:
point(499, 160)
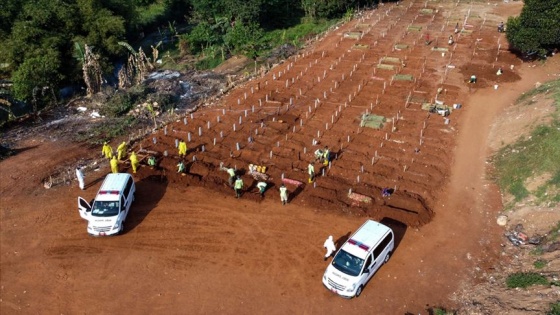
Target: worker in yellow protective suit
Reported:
point(121, 151)
point(134, 162)
point(107, 151)
point(182, 148)
point(114, 165)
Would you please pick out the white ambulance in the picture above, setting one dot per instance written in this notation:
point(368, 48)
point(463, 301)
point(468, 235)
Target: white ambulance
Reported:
point(107, 213)
point(359, 258)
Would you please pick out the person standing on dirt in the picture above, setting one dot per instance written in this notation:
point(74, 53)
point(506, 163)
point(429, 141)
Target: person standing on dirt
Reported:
point(121, 151)
point(329, 246)
point(152, 161)
point(238, 186)
point(262, 187)
point(114, 164)
point(134, 162)
point(182, 148)
point(311, 171)
point(457, 28)
point(80, 176)
point(500, 71)
point(231, 179)
point(181, 167)
point(107, 151)
point(283, 194)
point(501, 27)
point(326, 156)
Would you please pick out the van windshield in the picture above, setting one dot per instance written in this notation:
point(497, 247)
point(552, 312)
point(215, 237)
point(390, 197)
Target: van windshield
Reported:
point(348, 263)
point(105, 208)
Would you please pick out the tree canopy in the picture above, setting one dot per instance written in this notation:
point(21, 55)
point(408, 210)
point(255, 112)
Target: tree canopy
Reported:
point(43, 40)
point(537, 28)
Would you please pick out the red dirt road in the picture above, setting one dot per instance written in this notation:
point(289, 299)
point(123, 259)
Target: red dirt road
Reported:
point(190, 247)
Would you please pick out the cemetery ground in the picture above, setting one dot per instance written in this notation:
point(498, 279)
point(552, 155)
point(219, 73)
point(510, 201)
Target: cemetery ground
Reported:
point(381, 91)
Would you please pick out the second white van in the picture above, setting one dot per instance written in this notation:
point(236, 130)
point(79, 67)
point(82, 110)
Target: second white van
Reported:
point(359, 258)
point(107, 213)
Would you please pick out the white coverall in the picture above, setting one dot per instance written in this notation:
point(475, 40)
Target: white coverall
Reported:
point(283, 194)
point(329, 246)
point(80, 176)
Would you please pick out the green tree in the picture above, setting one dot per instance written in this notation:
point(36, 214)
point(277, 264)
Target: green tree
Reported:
point(537, 28)
point(101, 28)
point(37, 72)
point(202, 36)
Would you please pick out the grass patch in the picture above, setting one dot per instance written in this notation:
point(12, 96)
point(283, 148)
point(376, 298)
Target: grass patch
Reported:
point(554, 233)
point(440, 311)
point(540, 263)
point(209, 63)
point(107, 130)
point(385, 67)
point(354, 35)
point(545, 88)
point(537, 154)
point(554, 309)
point(525, 279)
point(403, 77)
point(427, 11)
point(297, 34)
point(360, 46)
point(537, 251)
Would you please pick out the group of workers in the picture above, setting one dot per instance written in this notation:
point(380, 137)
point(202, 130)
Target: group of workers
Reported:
point(234, 180)
point(121, 154)
point(107, 152)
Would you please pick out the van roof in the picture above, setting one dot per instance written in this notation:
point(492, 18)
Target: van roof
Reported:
point(365, 238)
point(114, 182)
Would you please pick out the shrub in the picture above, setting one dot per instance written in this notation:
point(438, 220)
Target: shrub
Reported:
point(123, 101)
point(554, 309)
point(540, 263)
point(525, 279)
point(106, 131)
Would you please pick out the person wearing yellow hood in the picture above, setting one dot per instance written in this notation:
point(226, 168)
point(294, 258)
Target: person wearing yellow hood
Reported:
point(107, 151)
point(134, 161)
point(182, 148)
point(114, 165)
point(121, 151)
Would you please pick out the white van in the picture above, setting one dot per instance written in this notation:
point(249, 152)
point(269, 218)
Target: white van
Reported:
point(359, 258)
point(107, 213)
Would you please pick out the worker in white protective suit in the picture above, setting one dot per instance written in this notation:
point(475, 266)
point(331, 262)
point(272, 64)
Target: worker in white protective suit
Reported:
point(329, 246)
point(283, 194)
point(80, 176)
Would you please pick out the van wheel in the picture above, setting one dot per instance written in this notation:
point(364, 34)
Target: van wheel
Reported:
point(359, 291)
point(387, 257)
point(122, 228)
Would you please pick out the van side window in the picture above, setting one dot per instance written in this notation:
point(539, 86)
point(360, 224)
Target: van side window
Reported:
point(122, 203)
point(368, 262)
point(383, 244)
point(127, 188)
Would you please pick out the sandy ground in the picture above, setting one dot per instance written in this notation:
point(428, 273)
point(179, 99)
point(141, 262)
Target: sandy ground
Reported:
point(190, 247)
